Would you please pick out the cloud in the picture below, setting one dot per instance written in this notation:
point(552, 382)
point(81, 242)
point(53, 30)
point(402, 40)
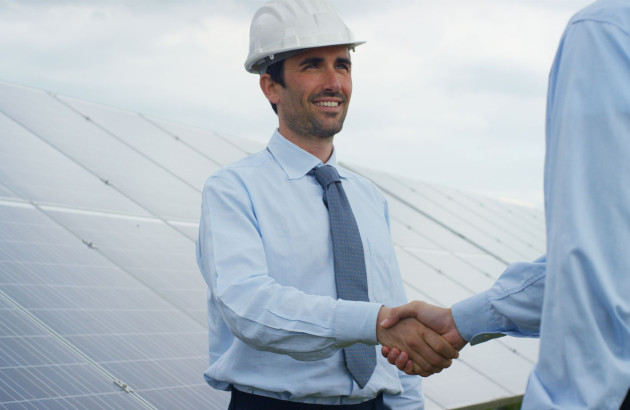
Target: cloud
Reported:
point(166, 58)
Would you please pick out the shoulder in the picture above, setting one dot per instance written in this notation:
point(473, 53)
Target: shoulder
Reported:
point(614, 12)
point(242, 169)
point(238, 178)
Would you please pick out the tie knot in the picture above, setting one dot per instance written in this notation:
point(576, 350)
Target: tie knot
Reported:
point(326, 175)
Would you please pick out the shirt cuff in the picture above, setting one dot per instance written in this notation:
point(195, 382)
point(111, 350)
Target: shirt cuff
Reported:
point(474, 320)
point(355, 322)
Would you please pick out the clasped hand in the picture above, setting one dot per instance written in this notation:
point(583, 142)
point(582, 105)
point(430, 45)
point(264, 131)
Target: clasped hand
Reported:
point(418, 338)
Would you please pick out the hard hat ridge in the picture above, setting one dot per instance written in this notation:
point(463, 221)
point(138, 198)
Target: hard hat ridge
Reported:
point(282, 28)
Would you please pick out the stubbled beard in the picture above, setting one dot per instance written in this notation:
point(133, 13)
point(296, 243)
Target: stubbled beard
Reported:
point(314, 127)
point(301, 123)
point(325, 131)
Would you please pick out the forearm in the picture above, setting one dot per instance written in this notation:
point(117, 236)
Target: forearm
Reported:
point(258, 299)
point(283, 319)
point(287, 321)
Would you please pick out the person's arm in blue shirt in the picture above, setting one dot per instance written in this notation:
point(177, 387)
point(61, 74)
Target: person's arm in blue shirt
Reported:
point(266, 314)
point(512, 306)
point(257, 309)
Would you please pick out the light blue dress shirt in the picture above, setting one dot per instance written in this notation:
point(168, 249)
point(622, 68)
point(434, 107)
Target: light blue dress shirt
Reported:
point(584, 360)
point(276, 327)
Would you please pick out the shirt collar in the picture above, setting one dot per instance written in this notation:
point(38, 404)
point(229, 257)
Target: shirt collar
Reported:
point(294, 161)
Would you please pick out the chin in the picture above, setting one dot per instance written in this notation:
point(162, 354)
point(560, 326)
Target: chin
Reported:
point(327, 132)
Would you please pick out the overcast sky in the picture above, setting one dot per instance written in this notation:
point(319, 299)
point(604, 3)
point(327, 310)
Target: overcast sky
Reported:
point(447, 91)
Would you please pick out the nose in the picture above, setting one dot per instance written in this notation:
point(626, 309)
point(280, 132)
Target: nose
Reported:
point(332, 80)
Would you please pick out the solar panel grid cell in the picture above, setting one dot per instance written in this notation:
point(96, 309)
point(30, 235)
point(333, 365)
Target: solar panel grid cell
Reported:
point(150, 141)
point(222, 149)
point(38, 371)
point(93, 318)
point(40, 173)
point(428, 228)
point(158, 256)
point(97, 151)
point(487, 214)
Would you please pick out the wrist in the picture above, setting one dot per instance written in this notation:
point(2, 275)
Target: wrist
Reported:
point(383, 313)
point(354, 322)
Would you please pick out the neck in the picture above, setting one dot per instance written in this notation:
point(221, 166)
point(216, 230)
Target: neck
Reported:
point(319, 147)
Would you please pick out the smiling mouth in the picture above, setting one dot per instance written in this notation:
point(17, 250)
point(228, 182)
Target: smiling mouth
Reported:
point(327, 104)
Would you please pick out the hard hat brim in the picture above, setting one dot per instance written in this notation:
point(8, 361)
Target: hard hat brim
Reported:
point(258, 63)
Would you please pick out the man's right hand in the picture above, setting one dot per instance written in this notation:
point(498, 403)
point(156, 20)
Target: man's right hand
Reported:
point(428, 352)
point(436, 318)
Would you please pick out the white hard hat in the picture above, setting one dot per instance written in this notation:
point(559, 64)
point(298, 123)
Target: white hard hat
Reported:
point(282, 27)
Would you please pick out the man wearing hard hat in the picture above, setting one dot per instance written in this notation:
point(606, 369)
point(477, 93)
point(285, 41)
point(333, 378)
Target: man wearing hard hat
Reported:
point(296, 251)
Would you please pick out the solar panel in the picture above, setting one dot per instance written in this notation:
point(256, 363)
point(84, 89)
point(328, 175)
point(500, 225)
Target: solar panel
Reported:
point(481, 235)
point(528, 222)
point(37, 370)
point(5, 192)
point(221, 149)
point(149, 250)
point(428, 227)
point(460, 269)
point(40, 173)
point(101, 302)
point(464, 210)
point(461, 385)
point(184, 162)
point(517, 222)
point(428, 282)
point(90, 302)
point(134, 175)
point(37, 367)
point(405, 235)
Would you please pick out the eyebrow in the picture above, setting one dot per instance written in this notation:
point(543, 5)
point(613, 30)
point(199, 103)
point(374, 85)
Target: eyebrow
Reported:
point(344, 61)
point(318, 60)
point(311, 60)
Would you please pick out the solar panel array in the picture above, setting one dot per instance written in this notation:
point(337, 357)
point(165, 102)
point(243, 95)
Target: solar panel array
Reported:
point(101, 301)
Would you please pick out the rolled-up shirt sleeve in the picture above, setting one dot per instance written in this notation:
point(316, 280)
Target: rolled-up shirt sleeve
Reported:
point(261, 312)
point(512, 306)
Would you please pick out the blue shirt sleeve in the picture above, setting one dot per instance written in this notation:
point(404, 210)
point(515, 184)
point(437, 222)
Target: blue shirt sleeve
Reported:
point(512, 306)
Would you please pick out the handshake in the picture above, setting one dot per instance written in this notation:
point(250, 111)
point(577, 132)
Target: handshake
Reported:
point(419, 338)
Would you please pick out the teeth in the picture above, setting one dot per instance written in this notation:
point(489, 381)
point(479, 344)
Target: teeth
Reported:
point(327, 104)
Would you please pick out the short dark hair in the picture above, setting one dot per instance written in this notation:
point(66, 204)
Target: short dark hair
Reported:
point(276, 72)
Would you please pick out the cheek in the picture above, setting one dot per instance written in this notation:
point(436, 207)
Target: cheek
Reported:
point(347, 87)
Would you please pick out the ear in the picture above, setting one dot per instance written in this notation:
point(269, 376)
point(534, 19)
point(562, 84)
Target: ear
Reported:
point(270, 88)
